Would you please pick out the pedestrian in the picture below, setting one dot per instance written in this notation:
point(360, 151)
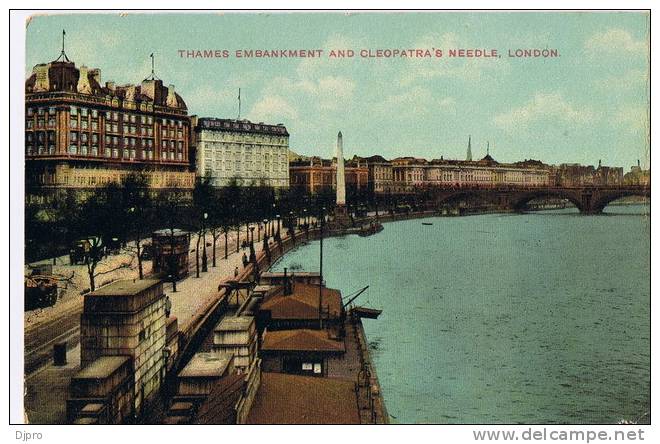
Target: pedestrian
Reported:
point(168, 306)
point(236, 272)
point(245, 260)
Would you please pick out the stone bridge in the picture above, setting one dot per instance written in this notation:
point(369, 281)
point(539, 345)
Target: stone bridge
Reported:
point(587, 199)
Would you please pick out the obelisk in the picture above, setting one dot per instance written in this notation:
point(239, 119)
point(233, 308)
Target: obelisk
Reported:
point(341, 179)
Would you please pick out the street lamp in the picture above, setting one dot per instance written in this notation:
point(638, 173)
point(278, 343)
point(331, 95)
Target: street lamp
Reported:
point(265, 221)
point(204, 257)
point(277, 235)
point(253, 256)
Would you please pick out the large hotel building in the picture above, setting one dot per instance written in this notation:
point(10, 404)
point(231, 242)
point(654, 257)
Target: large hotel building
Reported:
point(250, 153)
point(80, 134)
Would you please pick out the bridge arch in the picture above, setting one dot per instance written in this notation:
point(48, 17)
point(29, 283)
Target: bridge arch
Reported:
point(518, 202)
point(606, 198)
point(460, 194)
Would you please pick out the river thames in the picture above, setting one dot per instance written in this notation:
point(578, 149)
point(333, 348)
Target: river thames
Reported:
point(504, 318)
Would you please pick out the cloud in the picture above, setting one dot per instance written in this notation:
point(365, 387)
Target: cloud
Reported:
point(543, 106)
point(273, 109)
point(415, 102)
point(634, 118)
point(467, 69)
point(629, 79)
point(613, 41)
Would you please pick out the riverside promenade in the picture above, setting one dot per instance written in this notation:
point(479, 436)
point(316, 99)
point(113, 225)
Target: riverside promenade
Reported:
point(47, 387)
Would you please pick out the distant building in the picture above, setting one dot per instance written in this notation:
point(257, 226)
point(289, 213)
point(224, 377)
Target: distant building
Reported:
point(576, 175)
point(81, 134)
point(251, 153)
point(637, 176)
point(315, 174)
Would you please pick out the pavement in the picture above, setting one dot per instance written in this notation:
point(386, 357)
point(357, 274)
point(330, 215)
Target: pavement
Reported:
point(46, 386)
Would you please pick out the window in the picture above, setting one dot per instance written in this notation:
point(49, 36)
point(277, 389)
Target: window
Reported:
point(73, 124)
point(84, 124)
point(83, 112)
point(30, 111)
point(95, 114)
point(95, 150)
point(115, 152)
point(125, 117)
point(51, 149)
point(29, 124)
point(40, 111)
point(51, 110)
point(164, 155)
point(73, 149)
point(107, 152)
point(83, 150)
point(74, 136)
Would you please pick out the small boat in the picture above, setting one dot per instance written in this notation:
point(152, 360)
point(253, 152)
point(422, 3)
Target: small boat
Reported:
point(427, 223)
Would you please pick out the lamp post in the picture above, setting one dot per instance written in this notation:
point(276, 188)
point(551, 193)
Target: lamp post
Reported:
point(277, 235)
point(253, 256)
point(272, 227)
point(321, 269)
point(258, 231)
point(305, 218)
point(265, 222)
point(205, 267)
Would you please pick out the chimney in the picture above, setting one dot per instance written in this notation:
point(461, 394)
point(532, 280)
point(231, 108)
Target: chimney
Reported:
point(83, 86)
point(130, 93)
point(149, 88)
point(41, 83)
point(96, 75)
point(171, 97)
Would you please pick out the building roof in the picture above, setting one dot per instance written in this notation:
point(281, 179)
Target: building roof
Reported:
point(241, 126)
point(218, 407)
point(302, 340)
point(235, 323)
point(293, 399)
point(102, 367)
point(65, 76)
point(203, 365)
point(303, 303)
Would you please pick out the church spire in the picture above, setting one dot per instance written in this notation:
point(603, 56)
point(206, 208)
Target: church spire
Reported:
point(469, 149)
point(487, 148)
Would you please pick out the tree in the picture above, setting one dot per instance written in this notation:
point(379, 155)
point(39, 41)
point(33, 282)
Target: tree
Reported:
point(139, 209)
point(96, 222)
point(199, 212)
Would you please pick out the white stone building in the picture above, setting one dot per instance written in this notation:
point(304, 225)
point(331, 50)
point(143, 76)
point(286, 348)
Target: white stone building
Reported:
point(252, 153)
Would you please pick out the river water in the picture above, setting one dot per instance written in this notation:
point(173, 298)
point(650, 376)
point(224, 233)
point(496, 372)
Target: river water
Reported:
point(504, 318)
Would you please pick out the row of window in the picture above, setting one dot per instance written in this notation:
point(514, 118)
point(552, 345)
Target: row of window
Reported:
point(84, 150)
point(109, 115)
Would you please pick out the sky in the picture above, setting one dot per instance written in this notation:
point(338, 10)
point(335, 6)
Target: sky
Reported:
point(591, 103)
